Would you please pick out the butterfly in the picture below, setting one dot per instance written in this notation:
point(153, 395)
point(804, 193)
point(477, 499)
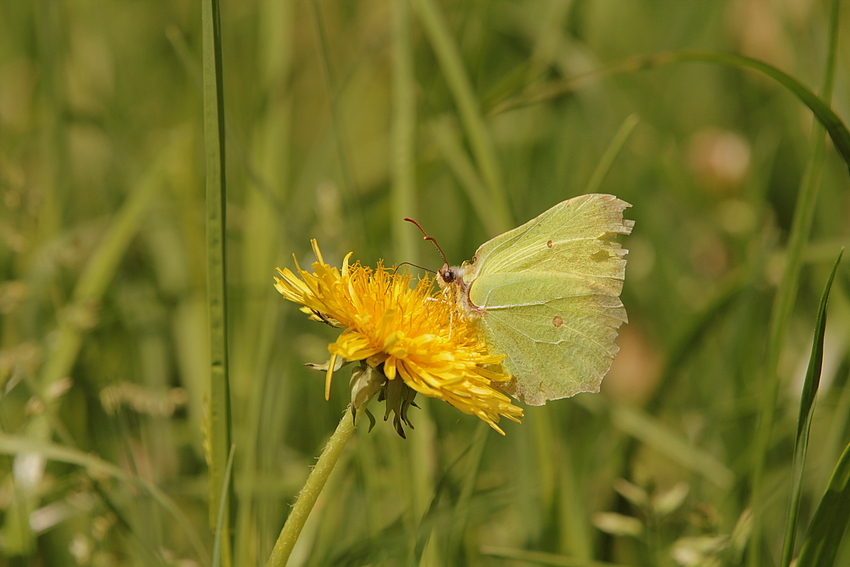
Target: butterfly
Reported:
point(547, 296)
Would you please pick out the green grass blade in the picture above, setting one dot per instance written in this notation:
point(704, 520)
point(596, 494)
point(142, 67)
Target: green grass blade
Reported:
point(219, 401)
point(783, 303)
point(430, 518)
point(15, 445)
point(458, 81)
point(447, 138)
point(695, 332)
point(349, 182)
point(819, 106)
point(831, 518)
point(222, 508)
point(403, 135)
point(460, 514)
point(264, 236)
point(653, 433)
point(50, 30)
point(804, 423)
point(604, 165)
point(101, 267)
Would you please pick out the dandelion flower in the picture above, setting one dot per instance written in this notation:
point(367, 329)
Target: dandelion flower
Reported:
point(407, 338)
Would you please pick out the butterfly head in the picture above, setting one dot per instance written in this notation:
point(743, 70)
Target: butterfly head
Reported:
point(451, 280)
point(450, 275)
point(447, 276)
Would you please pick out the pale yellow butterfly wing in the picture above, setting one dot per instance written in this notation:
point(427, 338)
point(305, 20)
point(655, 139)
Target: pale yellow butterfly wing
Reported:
point(549, 291)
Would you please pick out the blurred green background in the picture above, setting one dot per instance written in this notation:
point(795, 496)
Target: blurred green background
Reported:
point(329, 136)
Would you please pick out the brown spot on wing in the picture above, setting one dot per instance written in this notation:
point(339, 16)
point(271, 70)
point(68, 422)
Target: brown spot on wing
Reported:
point(557, 321)
point(549, 244)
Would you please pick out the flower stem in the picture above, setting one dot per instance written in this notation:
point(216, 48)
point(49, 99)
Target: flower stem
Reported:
point(312, 488)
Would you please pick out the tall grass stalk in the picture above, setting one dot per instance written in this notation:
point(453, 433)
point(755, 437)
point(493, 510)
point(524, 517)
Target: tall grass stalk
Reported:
point(219, 433)
point(830, 521)
point(103, 263)
point(460, 513)
point(220, 532)
point(403, 135)
point(447, 137)
point(614, 148)
point(458, 82)
point(349, 189)
point(785, 299)
point(50, 37)
point(263, 239)
point(804, 421)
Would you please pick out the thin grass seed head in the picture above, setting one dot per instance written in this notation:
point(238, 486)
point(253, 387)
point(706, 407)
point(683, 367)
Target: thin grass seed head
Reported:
point(400, 327)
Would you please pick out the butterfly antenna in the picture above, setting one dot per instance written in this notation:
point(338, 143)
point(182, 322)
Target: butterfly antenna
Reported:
point(429, 238)
point(415, 266)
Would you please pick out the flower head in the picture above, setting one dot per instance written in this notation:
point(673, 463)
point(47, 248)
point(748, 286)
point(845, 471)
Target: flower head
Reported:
point(400, 330)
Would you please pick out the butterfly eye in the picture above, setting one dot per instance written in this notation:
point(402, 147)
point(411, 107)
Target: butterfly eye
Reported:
point(447, 274)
